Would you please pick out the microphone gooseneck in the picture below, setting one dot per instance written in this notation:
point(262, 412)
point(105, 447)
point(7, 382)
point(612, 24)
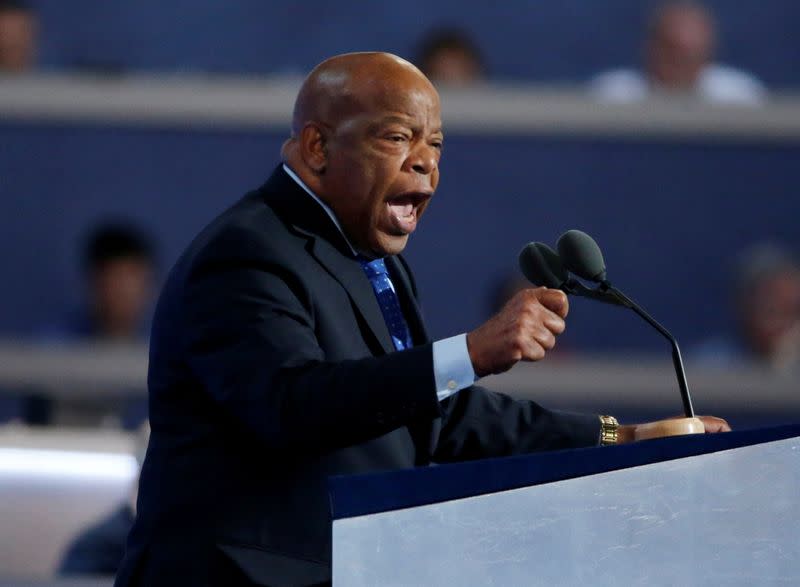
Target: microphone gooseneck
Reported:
point(677, 360)
point(580, 254)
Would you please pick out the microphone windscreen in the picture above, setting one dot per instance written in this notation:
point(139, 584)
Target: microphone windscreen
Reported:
point(581, 255)
point(541, 265)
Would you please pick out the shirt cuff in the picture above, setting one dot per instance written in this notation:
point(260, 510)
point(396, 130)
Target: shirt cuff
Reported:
point(452, 367)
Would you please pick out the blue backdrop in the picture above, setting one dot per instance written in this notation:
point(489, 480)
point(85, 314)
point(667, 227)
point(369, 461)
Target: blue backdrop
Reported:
point(669, 215)
point(568, 40)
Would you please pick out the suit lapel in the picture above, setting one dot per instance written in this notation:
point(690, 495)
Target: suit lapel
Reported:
point(328, 247)
point(349, 273)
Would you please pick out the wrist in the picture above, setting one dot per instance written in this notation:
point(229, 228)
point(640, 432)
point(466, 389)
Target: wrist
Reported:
point(473, 357)
point(625, 433)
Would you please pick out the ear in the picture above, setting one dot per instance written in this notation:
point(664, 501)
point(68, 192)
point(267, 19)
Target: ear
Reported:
point(313, 147)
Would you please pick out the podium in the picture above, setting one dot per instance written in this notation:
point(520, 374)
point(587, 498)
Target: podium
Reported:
point(706, 509)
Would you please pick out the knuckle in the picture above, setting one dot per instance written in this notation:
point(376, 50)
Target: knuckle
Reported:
point(532, 295)
point(520, 322)
point(546, 338)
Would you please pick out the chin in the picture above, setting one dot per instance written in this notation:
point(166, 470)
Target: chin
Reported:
point(390, 245)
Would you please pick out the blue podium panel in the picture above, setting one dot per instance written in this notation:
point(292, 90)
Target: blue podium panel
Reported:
point(730, 517)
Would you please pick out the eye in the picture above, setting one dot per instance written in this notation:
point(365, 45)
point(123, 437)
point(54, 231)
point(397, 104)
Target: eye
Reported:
point(437, 145)
point(397, 138)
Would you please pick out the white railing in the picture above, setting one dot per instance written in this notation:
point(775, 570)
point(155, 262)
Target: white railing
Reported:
point(102, 372)
point(261, 103)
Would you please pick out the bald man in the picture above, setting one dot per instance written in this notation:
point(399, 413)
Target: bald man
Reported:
point(679, 59)
point(288, 346)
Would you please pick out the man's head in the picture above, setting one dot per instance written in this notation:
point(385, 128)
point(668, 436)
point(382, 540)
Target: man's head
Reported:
point(449, 57)
point(118, 262)
point(680, 44)
point(17, 36)
point(768, 300)
point(367, 138)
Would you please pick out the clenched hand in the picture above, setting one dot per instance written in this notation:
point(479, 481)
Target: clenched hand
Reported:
point(524, 330)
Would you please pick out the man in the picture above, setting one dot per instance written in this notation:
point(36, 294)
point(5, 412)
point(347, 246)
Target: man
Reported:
point(17, 37)
point(288, 346)
point(766, 298)
point(679, 53)
point(119, 274)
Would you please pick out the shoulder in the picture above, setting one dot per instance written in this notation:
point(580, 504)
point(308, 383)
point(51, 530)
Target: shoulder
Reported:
point(247, 231)
point(619, 85)
point(99, 548)
point(725, 84)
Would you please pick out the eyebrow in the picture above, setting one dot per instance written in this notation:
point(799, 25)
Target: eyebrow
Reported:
point(391, 119)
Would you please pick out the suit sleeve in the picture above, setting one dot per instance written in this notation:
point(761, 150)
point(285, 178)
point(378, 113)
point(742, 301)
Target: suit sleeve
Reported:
point(478, 423)
point(250, 341)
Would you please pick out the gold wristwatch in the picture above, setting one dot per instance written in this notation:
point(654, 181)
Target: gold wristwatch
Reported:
point(608, 430)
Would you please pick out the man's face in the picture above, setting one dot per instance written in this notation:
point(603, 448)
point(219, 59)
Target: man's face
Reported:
point(17, 32)
point(121, 291)
point(382, 163)
point(771, 311)
point(682, 45)
point(453, 67)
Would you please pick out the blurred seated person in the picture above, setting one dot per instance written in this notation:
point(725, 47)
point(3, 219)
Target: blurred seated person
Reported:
point(679, 59)
point(449, 57)
point(119, 270)
point(98, 549)
point(767, 307)
point(18, 28)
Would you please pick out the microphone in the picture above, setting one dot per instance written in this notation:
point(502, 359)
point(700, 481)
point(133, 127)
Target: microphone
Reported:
point(541, 265)
point(581, 255)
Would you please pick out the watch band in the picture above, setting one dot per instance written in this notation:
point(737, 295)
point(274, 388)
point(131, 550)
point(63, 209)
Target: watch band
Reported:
point(608, 430)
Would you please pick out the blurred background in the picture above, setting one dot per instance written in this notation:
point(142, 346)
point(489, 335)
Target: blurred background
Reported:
point(670, 131)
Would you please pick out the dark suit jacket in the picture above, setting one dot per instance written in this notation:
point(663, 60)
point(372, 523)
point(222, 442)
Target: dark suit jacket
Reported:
point(271, 368)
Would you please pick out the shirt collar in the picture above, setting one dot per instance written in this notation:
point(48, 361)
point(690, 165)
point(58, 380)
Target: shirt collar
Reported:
point(328, 209)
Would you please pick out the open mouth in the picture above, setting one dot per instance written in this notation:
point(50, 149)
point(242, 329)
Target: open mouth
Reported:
point(404, 210)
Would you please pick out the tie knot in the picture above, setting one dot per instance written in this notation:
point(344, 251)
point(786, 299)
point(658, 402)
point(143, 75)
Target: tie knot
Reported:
point(374, 268)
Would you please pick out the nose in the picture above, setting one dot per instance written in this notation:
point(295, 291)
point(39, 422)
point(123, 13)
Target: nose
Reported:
point(423, 159)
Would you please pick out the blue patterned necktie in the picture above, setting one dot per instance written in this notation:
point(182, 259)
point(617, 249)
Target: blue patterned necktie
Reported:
point(387, 300)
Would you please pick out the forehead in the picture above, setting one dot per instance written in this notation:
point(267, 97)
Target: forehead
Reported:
point(409, 99)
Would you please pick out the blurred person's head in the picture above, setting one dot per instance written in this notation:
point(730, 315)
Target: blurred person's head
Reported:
point(681, 42)
point(450, 57)
point(768, 301)
point(119, 267)
point(17, 36)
